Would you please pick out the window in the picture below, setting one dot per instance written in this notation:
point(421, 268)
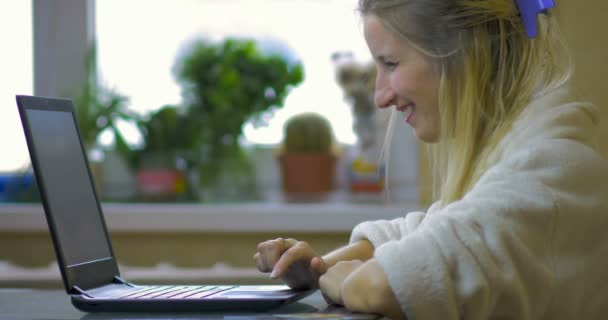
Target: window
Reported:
point(16, 78)
point(138, 42)
point(141, 39)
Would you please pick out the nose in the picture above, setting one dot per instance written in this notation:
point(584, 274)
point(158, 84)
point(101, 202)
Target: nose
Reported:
point(383, 96)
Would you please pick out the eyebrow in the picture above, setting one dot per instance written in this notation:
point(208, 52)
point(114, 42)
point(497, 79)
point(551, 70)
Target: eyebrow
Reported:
point(383, 58)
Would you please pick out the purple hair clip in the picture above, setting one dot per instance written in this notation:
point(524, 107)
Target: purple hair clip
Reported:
point(529, 9)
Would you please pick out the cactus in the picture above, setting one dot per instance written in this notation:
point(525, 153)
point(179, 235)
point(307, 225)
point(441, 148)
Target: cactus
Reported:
point(308, 133)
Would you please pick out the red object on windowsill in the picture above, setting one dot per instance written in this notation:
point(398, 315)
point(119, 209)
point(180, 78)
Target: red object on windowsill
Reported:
point(161, 182)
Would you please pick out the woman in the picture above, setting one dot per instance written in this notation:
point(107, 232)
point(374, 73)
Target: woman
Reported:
point(519, 230)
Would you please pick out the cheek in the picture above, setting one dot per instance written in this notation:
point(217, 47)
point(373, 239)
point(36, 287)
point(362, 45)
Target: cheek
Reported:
point(415, 82)
point(405, 84)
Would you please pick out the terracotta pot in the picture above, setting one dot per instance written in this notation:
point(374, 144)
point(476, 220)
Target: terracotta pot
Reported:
point(307, 173)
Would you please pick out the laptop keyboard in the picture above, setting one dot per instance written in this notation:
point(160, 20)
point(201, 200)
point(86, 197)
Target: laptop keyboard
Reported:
point(173, 292)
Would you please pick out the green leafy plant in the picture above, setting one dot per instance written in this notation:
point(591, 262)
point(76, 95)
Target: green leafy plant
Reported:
point(99, 108)
point(170, 140)
point(169, 132)
point(225, 85)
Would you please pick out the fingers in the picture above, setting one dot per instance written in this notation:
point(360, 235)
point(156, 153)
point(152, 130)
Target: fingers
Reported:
point(299, 276)
point(269, 253)
point(326, 298)
point(332, 282)
point(258, 262)
point(299, 250)
point(318, 265)
point(295, 262)
point(330, 286)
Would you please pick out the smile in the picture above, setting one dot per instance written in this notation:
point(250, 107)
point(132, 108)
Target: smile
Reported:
point(408, 110)
point(403, 108)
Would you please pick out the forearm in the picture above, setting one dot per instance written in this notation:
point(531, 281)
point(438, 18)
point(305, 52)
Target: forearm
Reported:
point(362, 250)
point(367, 290)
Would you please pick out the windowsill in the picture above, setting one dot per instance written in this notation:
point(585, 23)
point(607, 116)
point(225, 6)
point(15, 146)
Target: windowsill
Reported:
point(254, 217)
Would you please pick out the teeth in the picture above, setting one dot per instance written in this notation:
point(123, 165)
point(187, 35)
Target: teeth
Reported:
point(407, 112)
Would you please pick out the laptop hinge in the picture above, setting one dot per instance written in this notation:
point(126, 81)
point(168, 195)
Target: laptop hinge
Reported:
point(81, 292)
point(120, 280)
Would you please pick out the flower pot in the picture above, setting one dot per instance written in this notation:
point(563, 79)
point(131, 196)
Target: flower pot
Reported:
point(159, 179)
point(307, 176)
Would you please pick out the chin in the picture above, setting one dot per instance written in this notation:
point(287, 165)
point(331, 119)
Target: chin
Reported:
point(425, 136)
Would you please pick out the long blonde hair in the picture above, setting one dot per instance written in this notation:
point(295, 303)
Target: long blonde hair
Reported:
point(489, 70)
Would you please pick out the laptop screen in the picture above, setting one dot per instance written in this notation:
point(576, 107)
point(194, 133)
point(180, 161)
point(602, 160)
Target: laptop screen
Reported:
point(69, 191)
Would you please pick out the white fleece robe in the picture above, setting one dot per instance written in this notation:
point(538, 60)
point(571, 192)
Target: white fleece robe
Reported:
point(528, 241)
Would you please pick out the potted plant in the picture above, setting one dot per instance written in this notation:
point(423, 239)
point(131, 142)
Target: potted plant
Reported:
point(224, 85)
point(164, 162)
point(307, 158)
point(98, 109)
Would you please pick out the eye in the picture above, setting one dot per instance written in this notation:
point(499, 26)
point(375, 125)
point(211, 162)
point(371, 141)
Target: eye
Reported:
point(389, 64)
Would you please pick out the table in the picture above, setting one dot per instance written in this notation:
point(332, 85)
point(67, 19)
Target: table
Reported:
point(39, 304)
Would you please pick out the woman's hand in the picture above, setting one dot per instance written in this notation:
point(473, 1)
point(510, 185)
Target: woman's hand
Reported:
point(332, 282)
point(362, 287)
point(295, 262)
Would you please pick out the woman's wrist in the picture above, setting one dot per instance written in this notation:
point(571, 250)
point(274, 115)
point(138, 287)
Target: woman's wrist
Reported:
point(361, 250)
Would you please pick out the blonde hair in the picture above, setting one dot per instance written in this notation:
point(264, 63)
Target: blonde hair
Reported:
point(489, 70)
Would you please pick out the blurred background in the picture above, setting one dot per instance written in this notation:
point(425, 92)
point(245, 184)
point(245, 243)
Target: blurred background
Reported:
point(213, 125)
point(188, 101)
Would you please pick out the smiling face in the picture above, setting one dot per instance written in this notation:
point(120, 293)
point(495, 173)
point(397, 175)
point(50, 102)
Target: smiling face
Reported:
point(405, 79)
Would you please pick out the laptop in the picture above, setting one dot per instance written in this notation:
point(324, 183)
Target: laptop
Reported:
point(80, 237)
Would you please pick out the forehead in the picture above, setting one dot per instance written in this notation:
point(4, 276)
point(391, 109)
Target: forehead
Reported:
point(381, 40)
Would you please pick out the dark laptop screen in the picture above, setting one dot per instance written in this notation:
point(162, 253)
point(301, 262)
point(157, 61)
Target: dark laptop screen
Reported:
point(69, 192)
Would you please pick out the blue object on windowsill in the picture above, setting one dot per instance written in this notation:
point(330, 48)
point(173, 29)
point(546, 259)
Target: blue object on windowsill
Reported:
point(529, 10)
point(14, 185)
